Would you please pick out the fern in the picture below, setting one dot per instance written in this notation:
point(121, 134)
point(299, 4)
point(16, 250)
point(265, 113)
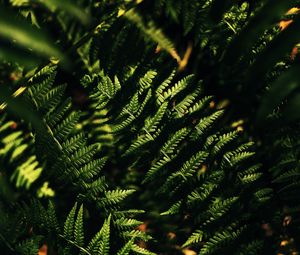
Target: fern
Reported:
point(207, 149)
point(198, 178)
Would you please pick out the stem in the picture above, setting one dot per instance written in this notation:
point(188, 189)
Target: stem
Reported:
point(76, 245)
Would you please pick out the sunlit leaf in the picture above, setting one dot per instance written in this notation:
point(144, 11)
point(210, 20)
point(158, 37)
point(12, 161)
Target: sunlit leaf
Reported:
point(279, 46)
point(268, 15)
point(22, 33)
point(68, 6)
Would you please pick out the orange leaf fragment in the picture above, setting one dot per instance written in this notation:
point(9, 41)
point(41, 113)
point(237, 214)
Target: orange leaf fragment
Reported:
point(143, 227)
point(188, 252)
point(294, 53)
point(284, 24)
point(43, 250)
point(212, 104)
point(284, 242)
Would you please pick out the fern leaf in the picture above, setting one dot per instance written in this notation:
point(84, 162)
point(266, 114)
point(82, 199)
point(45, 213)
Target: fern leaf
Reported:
point(146, 81)
point(69, 224)
point(196, 237)
point(172, 144)
point(174, 90)
point(66, 127)
point(162, 87)
point(206, 123)
point(151, 124)
point(223, 141)
point(54, 117)
point(125, 223)
point(139, 250)
point(52, 218)
point(126, 248)
point(114, 197)
point(182, 107)
point(187, 171)
point(155, 168)
point(104, 242)
point(150, 31)
point(174, 209)
point(220, 239)
point(78, 229)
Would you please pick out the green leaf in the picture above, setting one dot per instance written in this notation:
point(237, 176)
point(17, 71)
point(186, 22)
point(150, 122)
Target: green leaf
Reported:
point(139, 250)
point(196, 237)
point(113, 197)
point(127, 247)
point(286, 84)
point(267, 16)
point(52, 217)
point(22, 33)
point(69, 224)
point(78, 232)
point(69, 7)
point(277, 48)
point(105, 233)
point(150, 30)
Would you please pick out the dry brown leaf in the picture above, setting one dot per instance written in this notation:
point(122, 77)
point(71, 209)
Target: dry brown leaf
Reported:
point(284, 24)
point(171, 235)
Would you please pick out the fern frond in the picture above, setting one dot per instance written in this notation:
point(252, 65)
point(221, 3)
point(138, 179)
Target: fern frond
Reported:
point(114, 197)
point(62, 131)
point(126, 248)
point(100, 242)
point(70, 224)
point(196, 237)
point(151, 124)
point(150, 31)
point(146, 81)
point(139, 250)
point(220, 239)
point(174, 209)
point(171, 92)
point(206, 123)
point(78, 228)
point(186, 172)
point(171, 145)
point(27, 173)
point(104, 246)
point(125, 223)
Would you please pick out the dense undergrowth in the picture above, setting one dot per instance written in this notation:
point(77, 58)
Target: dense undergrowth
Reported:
point(149, 127)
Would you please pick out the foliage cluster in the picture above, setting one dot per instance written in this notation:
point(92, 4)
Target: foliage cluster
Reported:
point(149, 127)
